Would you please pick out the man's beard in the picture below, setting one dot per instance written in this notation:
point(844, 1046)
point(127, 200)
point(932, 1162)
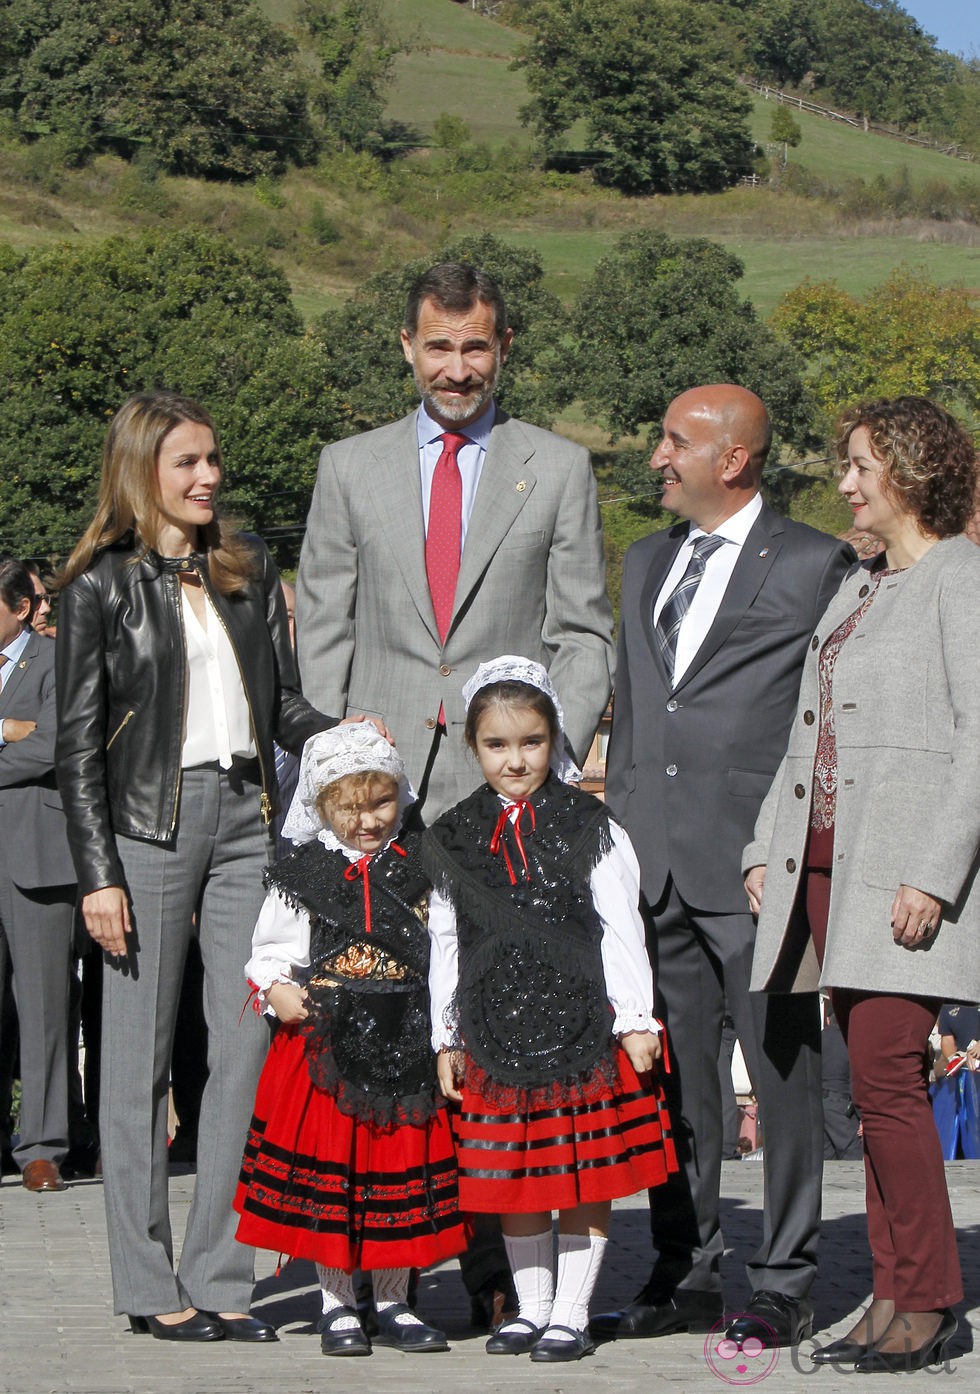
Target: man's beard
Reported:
point(455, 408)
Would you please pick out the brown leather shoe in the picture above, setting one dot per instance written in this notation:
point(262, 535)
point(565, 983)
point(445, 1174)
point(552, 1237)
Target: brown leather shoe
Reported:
point(42, 1176)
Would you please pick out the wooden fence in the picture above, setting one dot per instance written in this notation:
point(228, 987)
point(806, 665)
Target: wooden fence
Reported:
point(859, 123)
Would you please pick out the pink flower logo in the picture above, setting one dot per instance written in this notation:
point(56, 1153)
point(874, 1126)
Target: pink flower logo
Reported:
point(740, 1364)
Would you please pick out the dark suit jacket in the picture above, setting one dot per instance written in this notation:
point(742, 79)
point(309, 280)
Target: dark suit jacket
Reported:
point(687, 770)
point(33, 842)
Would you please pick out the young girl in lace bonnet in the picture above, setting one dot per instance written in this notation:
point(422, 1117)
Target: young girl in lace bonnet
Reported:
point(542, 1006)
point(348, 1094)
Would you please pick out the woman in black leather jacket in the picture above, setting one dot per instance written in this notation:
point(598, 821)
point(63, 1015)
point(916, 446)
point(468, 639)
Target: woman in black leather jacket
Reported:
point(174, 674)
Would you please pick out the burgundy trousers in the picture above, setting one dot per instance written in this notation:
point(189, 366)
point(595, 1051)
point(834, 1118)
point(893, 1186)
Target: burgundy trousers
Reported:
point(910, 1226)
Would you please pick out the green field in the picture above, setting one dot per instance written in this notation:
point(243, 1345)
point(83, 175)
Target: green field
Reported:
point(837, 152)
point(772, 265)
point(460, 63)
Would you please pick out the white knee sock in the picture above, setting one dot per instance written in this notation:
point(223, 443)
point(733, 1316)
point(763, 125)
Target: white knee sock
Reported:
point(579, 1261)
point(337, 1290)
point(390, 1290)
point(531, 1263)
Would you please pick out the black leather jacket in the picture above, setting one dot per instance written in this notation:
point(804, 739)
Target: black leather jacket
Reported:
point(121, 680)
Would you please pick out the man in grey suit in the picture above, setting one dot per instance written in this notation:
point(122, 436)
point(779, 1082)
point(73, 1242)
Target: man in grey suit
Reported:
point(382, 628)
point(717, 613)
point(37, 890)
point(435, 543)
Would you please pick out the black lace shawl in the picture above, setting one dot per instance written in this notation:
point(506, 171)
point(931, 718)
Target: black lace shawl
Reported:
point(532, 1003)
point(368, 1034)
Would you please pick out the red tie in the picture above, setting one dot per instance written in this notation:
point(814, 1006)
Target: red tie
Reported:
point(442, 538)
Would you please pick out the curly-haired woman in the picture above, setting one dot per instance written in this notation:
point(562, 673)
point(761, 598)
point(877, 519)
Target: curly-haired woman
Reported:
point(863, 869)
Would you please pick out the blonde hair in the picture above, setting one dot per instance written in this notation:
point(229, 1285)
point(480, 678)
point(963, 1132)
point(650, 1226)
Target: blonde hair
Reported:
point(129, 492)
point(344, 794)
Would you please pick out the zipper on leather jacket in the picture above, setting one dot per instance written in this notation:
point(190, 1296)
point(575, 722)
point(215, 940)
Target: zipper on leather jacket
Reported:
point(183, 700)
point(265, 802)
point(125, 722)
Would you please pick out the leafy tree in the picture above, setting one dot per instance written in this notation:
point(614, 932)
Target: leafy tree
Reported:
point(660, 315)
point(353, 42)
point(877, 60)
point(366, 363)
point(784, 129)
point(209, 86)
point(870, 56)
point(83, 327)
point(906, 335)
point(653, 83)
point(781, 38)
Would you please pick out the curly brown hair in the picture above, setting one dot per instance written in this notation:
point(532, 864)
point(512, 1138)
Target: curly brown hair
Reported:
point(338, 803)
point(929, 459)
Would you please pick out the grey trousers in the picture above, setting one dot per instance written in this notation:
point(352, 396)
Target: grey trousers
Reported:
point(701, 962)
point(35, 943)
point(212, 869)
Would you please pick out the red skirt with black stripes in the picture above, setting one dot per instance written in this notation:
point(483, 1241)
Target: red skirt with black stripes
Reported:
point(597, 1142)
point(318, 1184)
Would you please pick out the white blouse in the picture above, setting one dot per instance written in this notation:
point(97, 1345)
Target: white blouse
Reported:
point(615, 885)
point(217, 722)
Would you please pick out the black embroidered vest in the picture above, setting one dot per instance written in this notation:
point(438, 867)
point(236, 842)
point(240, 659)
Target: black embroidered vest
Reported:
point(532, 1004)
point(367, 1035)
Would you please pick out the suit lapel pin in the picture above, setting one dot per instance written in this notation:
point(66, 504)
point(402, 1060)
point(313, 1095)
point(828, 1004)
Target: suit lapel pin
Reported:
point(521, 485)
point(764, 552)
point(22, 663)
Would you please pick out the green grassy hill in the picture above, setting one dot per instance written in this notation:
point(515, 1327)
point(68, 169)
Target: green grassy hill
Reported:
point(460, 64)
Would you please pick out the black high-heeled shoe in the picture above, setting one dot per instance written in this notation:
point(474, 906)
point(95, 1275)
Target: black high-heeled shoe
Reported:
point(194, 1328)
point(904, 1361)
point(842, 1352)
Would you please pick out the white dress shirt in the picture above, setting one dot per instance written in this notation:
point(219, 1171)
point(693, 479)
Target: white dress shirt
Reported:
point(470, 459)
point(12, 653)
point(217, 722)
point(711, 592)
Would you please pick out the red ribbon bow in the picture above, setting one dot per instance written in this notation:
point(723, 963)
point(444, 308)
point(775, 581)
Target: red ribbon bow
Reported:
point(498, 841)
point(360, 868)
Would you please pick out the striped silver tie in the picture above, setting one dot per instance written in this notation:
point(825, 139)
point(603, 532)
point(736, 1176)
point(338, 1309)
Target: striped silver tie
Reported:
point(678, 603)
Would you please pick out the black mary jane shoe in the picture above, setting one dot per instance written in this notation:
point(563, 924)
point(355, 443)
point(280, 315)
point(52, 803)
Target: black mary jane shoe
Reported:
point(243, 1328)
point(350, 1341)
point(199, 1327)
point(507, 1341)
point(547, 1348)
point(842, 1352)
point(897, 1362)
point(408, 1336)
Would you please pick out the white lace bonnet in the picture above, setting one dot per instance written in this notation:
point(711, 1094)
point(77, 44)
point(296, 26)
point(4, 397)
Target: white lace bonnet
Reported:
point(328, 756)
point(510, 667)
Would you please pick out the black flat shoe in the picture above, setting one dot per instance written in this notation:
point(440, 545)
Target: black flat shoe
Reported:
point(897, 1362)
point(351, 1341)
point(548, 1349)
point(199, 1327)
point(408, 1336)
point(507, 1341)
point(661, 1314)
point(773, 1319)
point(842, 1352)
point(243, 1328)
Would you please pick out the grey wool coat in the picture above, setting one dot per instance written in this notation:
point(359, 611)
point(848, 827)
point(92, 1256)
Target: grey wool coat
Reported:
point(906, 693)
